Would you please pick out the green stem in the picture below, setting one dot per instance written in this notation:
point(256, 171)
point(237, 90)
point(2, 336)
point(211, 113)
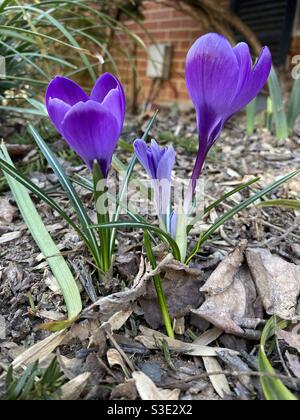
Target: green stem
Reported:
point(101, 199)
point(159, 289)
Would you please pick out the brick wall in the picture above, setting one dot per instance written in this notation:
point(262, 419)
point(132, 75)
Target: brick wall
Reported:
point(164, 25)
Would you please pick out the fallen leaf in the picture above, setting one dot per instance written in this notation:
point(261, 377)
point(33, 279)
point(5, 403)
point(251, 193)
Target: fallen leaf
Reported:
point(40, 350)
point(2, 328)
point(291, 338)
point(126, 391)
point(294, 363)
point(148, 391)
point(153, 340)
point(72, 390)
point(231, 302)
point(211, 364)
point(7, 211)
point(122, 301)
point(277, 281)
point(117, 320)
point(115, 359)
point(182, 290)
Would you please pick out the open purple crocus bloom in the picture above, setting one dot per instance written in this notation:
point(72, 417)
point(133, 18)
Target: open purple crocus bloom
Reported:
point(221, 81)
point(158, 163)
point(91, 125)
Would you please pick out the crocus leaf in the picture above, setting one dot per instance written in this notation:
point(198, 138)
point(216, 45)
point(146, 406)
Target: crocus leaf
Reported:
point(221, 199)
point(125, 182)
point(235, 210)
point(14, 173)
point(294, 105)
point(288, 204)
point(44, 241)
point(278, 106)
point(71, 192)
point(274, 389)
point(147, 226)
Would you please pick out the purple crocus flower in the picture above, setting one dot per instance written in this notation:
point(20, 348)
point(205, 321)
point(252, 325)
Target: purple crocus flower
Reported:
point(91, 125)
point(159, 163)
point(221, 81)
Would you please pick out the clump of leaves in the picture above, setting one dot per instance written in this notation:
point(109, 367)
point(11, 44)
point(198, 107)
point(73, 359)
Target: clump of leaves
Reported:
point(34, 384)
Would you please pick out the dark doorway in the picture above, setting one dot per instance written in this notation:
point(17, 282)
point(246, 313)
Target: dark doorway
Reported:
point(271, 20)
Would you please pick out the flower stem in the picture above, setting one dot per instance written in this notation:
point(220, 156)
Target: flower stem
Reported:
point(101, 199)
point(159, 288)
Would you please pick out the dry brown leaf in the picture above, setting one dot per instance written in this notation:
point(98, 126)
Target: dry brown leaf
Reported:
point(291, 338)
point(7, 211)
point(153, 340)
point(277, 281)
point(148, 391)
point(72, 390)
point(40, 350)
point(182, 289)
point(122, 301)
point(115, 359)
point(10, 236)
point(219, 382)
point(2, 328)
point(221, 279)
point(125, 391)
point(294, 363)
point(211, 364)
point(117, 320)
point(232, 300)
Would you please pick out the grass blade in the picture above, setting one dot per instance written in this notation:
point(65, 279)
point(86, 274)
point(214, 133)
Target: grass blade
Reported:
point(45, 243)
point(274, 389)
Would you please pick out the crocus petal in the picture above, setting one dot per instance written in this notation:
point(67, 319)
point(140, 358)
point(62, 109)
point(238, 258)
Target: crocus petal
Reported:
point(103, 87)
point(166, 164)
point(156, 152)
point(57, 110)
point(141, 151)
point(212, 71)
point(256, 81)
point(243, 56)
point(66, 90)
point(92, 132)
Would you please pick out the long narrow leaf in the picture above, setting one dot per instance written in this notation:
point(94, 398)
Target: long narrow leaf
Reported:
point(44, 241)
point(288, 204)
point(125, 182)
point(14, 173)
point(274, 389)
point(294, 105)
point(137, 225)
point(70, 190)
point(235, 210)
point(278, 107)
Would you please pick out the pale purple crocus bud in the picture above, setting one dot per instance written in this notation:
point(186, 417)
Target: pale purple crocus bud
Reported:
point(158, 163)
point(221, 81)
point(91, 125)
